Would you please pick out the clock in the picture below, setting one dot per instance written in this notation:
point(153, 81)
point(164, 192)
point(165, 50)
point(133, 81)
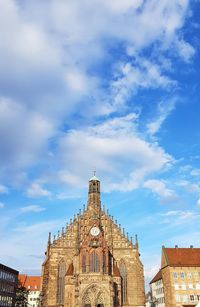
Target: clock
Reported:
point(94, 231)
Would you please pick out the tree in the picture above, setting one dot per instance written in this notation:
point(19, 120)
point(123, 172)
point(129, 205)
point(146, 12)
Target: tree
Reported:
point(21, 296)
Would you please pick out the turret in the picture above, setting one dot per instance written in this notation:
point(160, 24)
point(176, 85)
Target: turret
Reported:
point(94, 201)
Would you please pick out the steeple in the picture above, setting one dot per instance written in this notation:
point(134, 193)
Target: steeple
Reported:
point(94, 201)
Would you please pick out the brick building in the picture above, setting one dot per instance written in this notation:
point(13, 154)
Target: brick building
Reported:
point(92, 263)
point(179, 277)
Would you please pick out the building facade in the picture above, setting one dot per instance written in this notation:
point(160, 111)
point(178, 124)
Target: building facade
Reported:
point(8, 286)
point(33, 285)
point(180, 276)
point(157, 290)
point(92, 263)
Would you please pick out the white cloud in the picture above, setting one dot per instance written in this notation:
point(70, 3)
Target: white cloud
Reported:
point(35, 190)
point(186, 239)
point(32, 208)
point(132, 77)
point(180, 217)
point(1, 205)
point(189, 186)
point(24, 136)
point(198, 202)
point(195, 172)
point(3, 189)
point(159, 187)
point(116, 149)
point(164, 110)
point(53, 72)
point(186, 51)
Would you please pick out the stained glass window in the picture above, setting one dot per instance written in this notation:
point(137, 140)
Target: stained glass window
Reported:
point(94, 262)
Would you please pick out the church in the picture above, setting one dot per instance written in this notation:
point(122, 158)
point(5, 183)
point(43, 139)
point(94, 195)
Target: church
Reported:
point(92, 263)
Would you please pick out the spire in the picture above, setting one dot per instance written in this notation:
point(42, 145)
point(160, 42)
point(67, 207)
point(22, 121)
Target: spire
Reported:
point(49, 239)
point(136, 241)
point(94, 177)
point(48, 244)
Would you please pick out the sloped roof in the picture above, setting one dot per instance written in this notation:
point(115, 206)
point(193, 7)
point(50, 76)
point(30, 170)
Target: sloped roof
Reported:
point(70, 270)
point(32, 283)
point(183, 256)
point(116, 271)
point(157, 277)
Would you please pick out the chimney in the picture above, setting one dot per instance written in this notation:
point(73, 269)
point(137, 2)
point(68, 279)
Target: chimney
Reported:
point(176, 246)
point(191, 246)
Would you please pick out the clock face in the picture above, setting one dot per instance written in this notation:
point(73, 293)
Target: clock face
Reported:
point(95, 231)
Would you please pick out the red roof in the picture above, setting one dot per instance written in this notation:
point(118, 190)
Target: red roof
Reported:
point(32, 283)
point(157, 277)
point(182, 256)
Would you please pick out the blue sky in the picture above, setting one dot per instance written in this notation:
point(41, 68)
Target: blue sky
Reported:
point(106, 85)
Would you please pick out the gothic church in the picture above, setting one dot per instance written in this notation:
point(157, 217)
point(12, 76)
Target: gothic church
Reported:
point(92, 263)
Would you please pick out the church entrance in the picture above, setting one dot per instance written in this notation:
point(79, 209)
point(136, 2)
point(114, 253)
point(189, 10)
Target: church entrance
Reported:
point(95, 296)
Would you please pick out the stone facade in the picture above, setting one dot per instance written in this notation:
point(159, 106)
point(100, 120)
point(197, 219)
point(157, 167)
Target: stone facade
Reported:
point(92, 263)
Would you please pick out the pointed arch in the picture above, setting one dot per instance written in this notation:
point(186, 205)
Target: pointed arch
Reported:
point(123, 273)
point(94, 263)
point(84, 263)
point(61, 282)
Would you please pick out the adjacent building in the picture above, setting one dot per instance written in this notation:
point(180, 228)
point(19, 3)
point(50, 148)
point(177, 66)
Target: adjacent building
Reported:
point(92, 262)
point(177, 284)
point(33, 285)
point(157, 290)
point(8, 286)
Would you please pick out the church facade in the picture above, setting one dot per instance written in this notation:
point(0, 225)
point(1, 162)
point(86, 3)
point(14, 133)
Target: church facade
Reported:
point(92, 263)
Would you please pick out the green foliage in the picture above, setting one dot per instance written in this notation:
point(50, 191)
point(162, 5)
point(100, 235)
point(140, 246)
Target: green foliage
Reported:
point(21, 296)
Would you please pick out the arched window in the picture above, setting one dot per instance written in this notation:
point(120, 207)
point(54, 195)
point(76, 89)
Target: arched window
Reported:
point(94, 262)
point(104, 263)
point(61, 282)
point(84, 264)
point(123, 273)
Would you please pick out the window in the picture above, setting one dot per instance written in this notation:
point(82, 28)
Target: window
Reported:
point(84, 264)
point(61, 282)
point(190, 286)
point(175, 275)
point(94, 262)
point(196, 275)
point(182, 275)
point(191, 298)
point(178, 298)
point(189, 275)
point(176, 286)
point(183, 287)
point(104, 263)
point(198, 286)
point(123, 274)
point(184, 298)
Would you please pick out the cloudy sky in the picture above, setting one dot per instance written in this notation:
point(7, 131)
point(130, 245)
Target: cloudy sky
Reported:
point(106, 85)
